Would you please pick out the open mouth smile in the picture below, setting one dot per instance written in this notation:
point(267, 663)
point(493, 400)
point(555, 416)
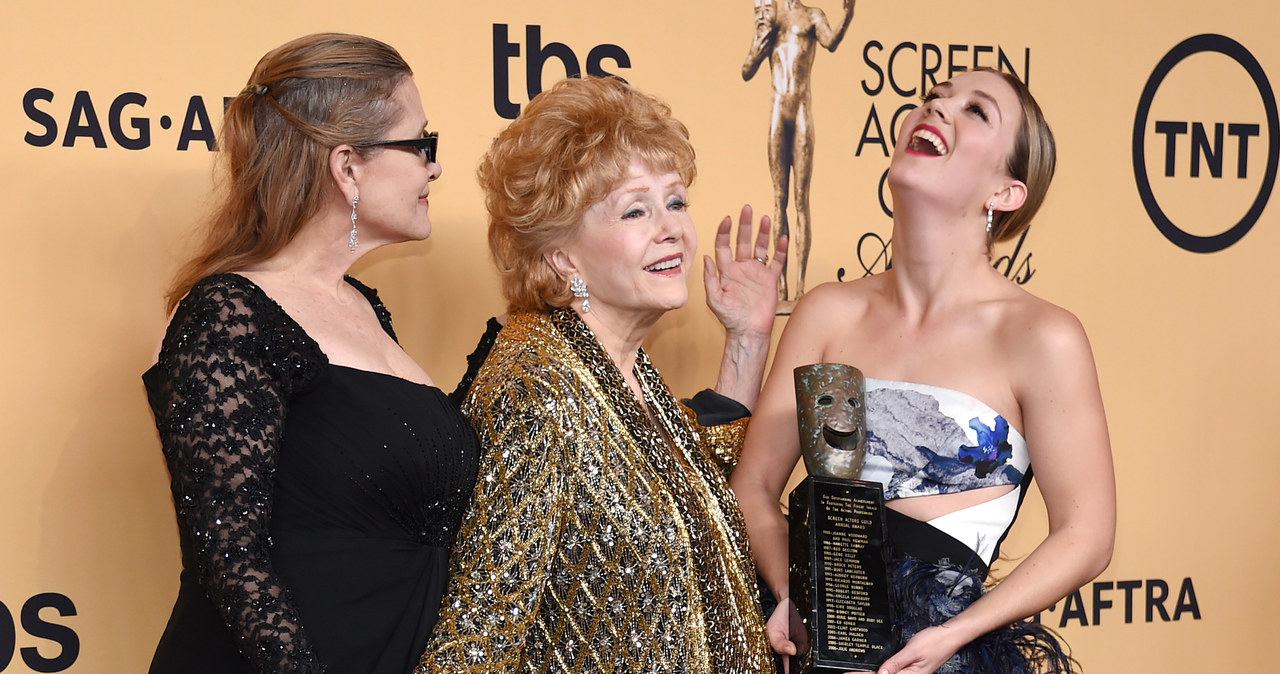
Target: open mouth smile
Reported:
point(928, 142)
point(666, 264)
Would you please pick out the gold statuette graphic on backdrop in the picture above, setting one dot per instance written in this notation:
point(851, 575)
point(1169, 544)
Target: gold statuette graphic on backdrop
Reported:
point(788, 32)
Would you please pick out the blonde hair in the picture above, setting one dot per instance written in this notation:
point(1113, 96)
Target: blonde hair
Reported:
point(570, 147)
point(1032, 161)
point(303, 99)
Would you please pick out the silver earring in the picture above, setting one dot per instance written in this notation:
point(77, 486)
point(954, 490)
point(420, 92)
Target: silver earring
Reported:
point(990, 207)
point(353, 241)
point(579, 288)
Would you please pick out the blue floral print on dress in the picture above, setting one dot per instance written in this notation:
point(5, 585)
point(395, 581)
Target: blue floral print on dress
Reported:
point(992, 450)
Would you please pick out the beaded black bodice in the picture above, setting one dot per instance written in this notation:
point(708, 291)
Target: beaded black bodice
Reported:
point(275, 455)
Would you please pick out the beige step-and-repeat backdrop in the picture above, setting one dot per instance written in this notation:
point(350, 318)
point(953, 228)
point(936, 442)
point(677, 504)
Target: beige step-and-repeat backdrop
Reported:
point(1157, 233)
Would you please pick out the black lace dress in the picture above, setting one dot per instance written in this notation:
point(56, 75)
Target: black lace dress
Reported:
point(315, 502)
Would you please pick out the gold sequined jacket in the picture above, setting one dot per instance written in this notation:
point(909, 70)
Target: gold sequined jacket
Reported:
point(597, 540)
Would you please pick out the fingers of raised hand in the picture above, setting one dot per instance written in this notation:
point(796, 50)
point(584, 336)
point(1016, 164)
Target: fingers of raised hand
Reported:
point(744, 233)
point(762, 238)
point(780, 249)
point(723, 255)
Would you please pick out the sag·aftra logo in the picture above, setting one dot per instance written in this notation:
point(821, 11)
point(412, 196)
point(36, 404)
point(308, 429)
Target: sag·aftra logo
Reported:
point(1205, 141)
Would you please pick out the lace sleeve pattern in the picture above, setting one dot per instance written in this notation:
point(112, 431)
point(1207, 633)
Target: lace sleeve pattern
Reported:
point(230, 361)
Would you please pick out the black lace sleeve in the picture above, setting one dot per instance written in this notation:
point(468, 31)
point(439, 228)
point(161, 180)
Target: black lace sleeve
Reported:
point(230, 361)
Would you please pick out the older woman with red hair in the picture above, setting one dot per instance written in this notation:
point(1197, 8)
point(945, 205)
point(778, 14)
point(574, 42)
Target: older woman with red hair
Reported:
point(603, 536)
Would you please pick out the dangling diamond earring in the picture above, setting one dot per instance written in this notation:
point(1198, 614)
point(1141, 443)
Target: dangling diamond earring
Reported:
point(353, 241)
point(579, 288)
point(990, 207)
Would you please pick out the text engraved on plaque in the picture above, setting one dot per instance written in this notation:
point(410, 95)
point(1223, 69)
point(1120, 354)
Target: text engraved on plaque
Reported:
point(850, 623)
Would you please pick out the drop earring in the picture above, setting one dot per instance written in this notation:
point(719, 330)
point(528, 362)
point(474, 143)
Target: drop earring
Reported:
point(990, 212)
point(579, 289)
point(353, 241)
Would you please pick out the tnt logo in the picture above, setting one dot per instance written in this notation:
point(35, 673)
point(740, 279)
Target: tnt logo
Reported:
point(1205, 141)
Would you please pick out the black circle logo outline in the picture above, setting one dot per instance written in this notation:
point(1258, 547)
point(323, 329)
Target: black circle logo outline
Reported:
point(1226, 46)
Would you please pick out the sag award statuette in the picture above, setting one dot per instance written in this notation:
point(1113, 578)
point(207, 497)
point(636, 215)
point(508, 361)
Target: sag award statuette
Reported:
point(839, 570)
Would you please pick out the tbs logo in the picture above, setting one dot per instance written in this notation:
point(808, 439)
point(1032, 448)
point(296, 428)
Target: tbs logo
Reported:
point(34, 623)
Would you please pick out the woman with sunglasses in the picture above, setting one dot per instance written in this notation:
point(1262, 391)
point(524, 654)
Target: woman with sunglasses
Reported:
point(317, 473)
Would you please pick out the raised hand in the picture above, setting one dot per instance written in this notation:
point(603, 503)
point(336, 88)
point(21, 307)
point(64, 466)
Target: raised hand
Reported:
point(742, 282)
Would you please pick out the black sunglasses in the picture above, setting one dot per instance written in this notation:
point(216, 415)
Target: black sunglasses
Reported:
point(424, 145)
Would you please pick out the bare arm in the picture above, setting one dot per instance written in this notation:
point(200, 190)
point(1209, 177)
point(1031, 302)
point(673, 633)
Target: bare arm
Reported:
point(742, 293)
point(772, 449)
point(766, 32)
point(1066, 431)
point(828, 38)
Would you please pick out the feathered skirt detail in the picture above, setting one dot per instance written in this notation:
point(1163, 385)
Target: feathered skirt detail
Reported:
point(930, 588)
point(929, 594)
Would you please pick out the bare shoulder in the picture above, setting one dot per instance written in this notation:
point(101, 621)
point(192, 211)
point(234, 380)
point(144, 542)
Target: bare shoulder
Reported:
point(835, 303)
point(1043, 335)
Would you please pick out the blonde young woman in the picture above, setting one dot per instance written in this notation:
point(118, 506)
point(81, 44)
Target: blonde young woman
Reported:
point(972, 383)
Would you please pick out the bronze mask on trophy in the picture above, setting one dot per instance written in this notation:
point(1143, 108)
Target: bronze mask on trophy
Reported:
point(833, 420)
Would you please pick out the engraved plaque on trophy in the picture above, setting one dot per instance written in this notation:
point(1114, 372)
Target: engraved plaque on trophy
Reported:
point(839, 567)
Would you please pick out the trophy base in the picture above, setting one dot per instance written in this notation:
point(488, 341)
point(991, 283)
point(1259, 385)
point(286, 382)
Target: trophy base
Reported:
point(840, 575)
